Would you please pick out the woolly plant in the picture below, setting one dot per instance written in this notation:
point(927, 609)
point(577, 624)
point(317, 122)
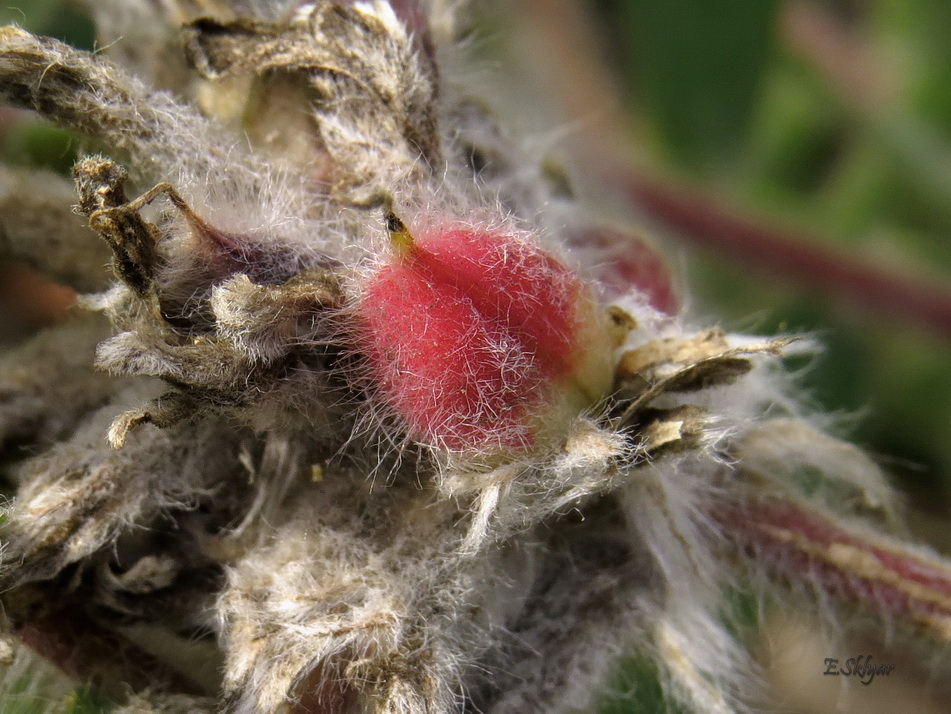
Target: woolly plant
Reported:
point(380, 412)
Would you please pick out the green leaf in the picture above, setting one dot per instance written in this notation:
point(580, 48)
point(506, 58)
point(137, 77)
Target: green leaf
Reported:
point(53, 18)
point(40, 145)
point(699, 66)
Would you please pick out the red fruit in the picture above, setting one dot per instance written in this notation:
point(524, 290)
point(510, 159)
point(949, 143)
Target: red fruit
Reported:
point(624, 263)
point(475, 339)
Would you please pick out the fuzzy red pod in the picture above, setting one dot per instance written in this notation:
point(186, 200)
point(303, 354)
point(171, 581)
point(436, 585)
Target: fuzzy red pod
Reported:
point(480, 340)
point(625, 263)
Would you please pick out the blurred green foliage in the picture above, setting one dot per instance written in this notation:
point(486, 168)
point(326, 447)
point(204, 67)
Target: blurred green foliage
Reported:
point(733, 102)
point(39, 146)
point(54, 18)
point(33, 686)
point(700, 66)
point(87, 700)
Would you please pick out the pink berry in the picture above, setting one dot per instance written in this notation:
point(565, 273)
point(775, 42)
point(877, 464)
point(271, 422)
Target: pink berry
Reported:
point(624, 263)
point(473, 338)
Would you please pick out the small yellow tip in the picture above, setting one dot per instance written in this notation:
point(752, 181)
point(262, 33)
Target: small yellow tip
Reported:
point(400, 238)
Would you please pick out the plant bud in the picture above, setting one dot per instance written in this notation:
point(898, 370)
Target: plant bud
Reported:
point(481, 341)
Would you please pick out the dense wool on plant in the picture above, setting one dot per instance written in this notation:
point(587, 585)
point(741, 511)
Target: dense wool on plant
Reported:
point(361, 431)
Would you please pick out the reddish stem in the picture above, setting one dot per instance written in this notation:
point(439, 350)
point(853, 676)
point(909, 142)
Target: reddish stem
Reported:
point(845, 563)
point(581, 73)
point(34, 300)
point(795, 257)
point(90, 653)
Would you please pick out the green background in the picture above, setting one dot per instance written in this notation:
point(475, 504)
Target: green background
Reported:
point(718, 94)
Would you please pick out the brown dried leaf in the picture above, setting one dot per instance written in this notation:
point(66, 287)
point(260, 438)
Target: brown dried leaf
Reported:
point(690, 365)
point(669, 430)
point(102, 199)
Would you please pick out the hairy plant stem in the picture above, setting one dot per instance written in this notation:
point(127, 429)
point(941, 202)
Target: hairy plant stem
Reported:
point(797, 258)
point(844, 564)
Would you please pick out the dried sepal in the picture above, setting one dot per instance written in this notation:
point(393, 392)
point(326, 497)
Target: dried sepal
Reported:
point(267, 321)
point(228, 342)
point(663, 431)
point(168, 410)
point(684, 365)
point(102, 200)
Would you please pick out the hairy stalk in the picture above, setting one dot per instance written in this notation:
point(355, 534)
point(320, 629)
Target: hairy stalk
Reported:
point(89, 95)
point(846, 564)
point(797, 257)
